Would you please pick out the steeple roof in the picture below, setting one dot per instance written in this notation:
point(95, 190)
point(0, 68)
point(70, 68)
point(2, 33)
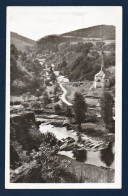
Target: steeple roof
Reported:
point(102, 73)
point(102, 60)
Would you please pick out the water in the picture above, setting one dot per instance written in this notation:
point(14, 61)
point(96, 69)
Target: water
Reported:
point(59, 132)
point(93, 158)
point(98, 158)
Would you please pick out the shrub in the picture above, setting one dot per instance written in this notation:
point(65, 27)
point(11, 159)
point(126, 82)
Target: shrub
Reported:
point(112, 82)
point(52, 169)
point(49, 138)
point(16, 102)
point(69, 112)
point(91, 119)
point(80, 154)
point(111, 127)
point(25, 104)
point(93, 132)
point(46, 98)
point(57, 108)
point(38, 93)
point(36, 105)
point(11, 103)
point(56, 99)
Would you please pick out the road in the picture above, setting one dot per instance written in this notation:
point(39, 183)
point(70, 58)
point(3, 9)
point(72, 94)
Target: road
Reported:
point(63, 98)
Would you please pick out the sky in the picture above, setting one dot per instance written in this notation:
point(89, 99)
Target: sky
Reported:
point(37, 22)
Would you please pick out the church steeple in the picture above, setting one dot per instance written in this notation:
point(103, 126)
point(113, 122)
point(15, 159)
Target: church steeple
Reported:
point(102, 60)
point(101, 79)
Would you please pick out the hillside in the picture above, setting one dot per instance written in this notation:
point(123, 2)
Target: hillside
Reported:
point(52, 41)
point(22, 43)
point(24, 72)
point(79, 60)
point(95, 33)
point(105, 32)
point(74, 57)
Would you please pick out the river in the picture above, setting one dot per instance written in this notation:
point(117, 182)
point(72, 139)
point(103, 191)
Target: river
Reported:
point(93, 157)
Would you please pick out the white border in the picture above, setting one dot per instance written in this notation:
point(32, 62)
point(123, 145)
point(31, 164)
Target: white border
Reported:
point(118, 128)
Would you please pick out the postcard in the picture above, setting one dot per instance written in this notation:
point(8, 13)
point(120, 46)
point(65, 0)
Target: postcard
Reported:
point(64, 97)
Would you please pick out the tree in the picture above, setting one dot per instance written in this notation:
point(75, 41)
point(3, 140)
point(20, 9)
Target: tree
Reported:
point(107, 105)
point(56, 89)
point(56, 99)
point(57, 108)
point(13, 62)
point(81, 156)
point(14, 51)
point(50, 139)
point(63, 64)
point(28, 95)
point(46, 98)
point(69, 112)
point(23, 57)
point(51, 168)
point(52, 75)
point(107, 155)
point(24, 96)
point(80, 108)
point(38, 93)
point(14, 70)
point(36, 105)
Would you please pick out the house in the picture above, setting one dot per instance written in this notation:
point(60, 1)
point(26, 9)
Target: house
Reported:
point(62, 79)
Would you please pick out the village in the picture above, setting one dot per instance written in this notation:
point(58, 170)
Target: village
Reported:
point(54, 114)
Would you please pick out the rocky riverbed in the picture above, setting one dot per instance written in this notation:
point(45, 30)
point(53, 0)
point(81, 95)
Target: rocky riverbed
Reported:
point(70, 139)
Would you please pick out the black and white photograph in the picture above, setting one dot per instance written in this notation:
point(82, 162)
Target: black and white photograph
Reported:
point(63, 97)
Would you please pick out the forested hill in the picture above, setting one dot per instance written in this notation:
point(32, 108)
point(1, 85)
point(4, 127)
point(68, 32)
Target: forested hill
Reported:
point(22, 43)
point(54, 40)
point(74, 57)
point(100, 32)
point(106, 32)
point(76, 54)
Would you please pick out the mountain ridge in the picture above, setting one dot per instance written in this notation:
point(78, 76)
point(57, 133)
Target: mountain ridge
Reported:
point(98, 31)
point(21, 42)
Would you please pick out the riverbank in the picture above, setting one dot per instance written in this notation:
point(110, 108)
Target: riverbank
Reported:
point(90, 173)
point(83, 172)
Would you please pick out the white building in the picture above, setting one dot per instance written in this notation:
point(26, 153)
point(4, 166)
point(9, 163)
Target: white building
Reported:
point(62, 79)
point(101, 79)
point(56, 73)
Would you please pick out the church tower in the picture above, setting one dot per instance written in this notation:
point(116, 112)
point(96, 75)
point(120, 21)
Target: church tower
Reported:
point(101, 79)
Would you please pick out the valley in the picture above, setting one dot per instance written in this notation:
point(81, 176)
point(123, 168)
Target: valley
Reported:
point(55, 107)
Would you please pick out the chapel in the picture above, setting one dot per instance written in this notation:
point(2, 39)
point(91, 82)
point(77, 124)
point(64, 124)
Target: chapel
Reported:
point(101, 79)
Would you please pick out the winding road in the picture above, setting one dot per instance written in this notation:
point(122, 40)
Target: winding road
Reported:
point(63, 98)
